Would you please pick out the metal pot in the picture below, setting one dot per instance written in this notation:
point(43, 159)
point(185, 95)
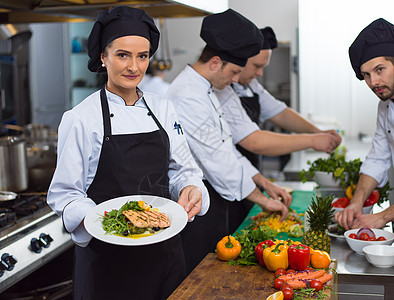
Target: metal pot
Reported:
point(13, 164)
point(41, 162)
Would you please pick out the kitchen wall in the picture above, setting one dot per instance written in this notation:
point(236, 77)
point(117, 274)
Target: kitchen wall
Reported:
point(329, 90)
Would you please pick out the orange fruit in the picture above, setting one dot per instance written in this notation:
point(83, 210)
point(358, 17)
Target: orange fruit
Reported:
point(320, 259)
point(276, 296)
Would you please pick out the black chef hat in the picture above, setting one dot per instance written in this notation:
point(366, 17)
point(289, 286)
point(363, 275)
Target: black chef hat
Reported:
point(231, 36)
point(115, 23)
point(270, 41)
point(375, 40)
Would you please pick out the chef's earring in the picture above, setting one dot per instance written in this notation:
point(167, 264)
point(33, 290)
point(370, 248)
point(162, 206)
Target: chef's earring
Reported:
point(103, 65)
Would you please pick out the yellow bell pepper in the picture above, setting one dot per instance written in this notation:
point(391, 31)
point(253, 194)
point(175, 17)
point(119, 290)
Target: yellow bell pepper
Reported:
point(349, 191)
point(276, 257)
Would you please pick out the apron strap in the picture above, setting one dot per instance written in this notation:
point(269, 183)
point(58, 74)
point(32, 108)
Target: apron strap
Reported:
point(105, 109)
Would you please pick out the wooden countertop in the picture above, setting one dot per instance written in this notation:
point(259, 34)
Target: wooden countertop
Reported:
point(215, 279)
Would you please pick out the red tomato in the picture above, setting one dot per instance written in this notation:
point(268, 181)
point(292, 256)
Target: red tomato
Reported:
point(316, 284)
point(372, 199)
point(341, 202)
point(278, 283)
point(381, 238)
point(287, 294)
point(289, 271)
point(364, 236)
point(285, 287)
point(353, 236)
point(372, 238)
point(280, 272)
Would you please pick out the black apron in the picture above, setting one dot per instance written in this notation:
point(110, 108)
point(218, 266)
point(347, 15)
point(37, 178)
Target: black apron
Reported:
point(130, 164)
point(252, 108)
point(201, 236)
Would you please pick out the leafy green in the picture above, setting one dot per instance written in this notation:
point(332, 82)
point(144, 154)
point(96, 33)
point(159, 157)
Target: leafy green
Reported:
point(249, 239)
point(345, 172)
point(114, 220)
point(310, 294)
point(295, 231)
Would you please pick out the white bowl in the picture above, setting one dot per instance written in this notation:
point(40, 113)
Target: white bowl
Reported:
point(358, 245)
point(381, 256)
point(325, 179)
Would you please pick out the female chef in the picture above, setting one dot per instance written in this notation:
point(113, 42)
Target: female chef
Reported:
point(118, 142)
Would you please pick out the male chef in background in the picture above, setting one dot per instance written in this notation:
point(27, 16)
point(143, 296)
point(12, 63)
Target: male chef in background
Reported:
point(246, 104)
point(372, 59)
point(230, 178)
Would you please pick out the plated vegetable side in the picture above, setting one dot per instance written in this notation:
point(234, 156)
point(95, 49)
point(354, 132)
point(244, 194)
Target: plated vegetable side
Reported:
point(134, 219)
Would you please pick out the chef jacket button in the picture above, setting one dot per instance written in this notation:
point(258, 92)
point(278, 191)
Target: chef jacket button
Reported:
point(149, 113)
point(389, 131)
point(107, 138)
point(111, 115)
point(222, 141)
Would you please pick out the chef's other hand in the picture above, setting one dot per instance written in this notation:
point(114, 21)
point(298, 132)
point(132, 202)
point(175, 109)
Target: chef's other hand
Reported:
point(190, 199)
point(324, 142)
point(335, 134)
point(276, 205)
point(276, 192)
point(370, 220)
point(346, 217)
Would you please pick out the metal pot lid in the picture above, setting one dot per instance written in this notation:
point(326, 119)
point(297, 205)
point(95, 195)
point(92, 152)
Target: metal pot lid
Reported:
point(10, 140)
point(6, 196)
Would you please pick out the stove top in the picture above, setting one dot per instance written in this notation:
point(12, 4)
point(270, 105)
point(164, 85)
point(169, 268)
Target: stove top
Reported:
point(31, 235)
point(21, 211)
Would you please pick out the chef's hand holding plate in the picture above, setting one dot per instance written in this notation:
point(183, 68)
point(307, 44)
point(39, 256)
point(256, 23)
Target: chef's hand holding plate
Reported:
point(191, 200)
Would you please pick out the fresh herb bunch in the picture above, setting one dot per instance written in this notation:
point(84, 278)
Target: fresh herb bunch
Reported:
point(345, 172)
point(310, 294)
point(249, 239)
point(114, 220)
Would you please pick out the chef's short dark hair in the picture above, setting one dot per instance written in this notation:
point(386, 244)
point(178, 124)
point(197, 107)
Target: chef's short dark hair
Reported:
point(206, 55)
point(390, 58)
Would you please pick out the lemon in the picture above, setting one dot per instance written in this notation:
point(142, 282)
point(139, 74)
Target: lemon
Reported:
point(276, 296)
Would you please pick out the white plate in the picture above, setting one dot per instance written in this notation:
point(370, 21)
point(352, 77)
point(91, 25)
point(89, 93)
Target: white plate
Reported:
point(340, 236)
point(175, 212)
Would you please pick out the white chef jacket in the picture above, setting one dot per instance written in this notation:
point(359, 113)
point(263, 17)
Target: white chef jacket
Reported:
point(154, 85)
point(380, 157)
point(240, 124)
point(80, 137)
point(209, 137)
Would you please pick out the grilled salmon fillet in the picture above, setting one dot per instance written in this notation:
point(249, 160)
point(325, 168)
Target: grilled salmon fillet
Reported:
point(147, 219)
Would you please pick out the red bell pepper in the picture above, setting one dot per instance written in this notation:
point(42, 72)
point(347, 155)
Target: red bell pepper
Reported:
point(299, 257)
point(259, 250)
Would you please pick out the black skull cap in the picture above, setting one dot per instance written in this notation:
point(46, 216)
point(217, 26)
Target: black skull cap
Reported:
point(270, 41)
point(231, 36)
point(375, 40)
point(115, 23)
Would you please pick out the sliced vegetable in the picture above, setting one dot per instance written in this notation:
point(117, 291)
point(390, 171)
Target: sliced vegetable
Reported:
point(295, 231)
point(365, 230)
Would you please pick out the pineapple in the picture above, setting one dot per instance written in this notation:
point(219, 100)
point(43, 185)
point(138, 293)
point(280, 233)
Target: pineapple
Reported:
point(319, 217)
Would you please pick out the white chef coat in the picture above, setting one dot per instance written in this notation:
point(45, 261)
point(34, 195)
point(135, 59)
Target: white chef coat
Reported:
point(240, 124)
point(381, 155)
point(154, 84)
point(79, 145)
point(209, 137)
